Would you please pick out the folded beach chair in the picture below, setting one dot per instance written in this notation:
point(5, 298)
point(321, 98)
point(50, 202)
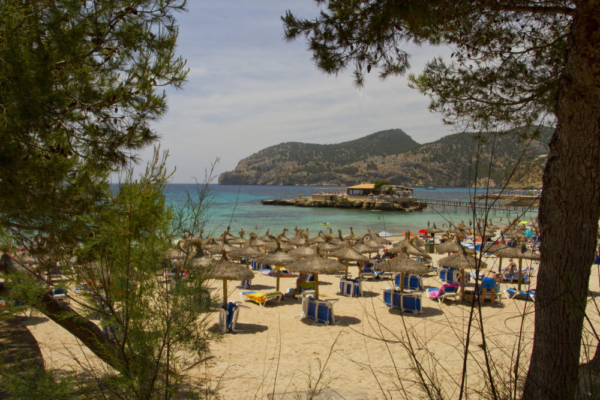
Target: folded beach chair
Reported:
point(405, 302)
point(368, 271)
point(55, 275)
point(411, 302)
point(513, 293)
point(228, 317)
point(411, 282)
point(245, 284)
point(351, 287)
point(60, 294)
point(260, 298)
point(254, 265)
point(320, 311)
point(447, 291)
point(306, 288)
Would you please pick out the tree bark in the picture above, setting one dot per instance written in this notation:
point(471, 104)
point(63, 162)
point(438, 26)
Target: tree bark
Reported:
point(569, 212)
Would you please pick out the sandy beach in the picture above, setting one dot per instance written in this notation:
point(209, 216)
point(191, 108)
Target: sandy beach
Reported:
point(367, 354)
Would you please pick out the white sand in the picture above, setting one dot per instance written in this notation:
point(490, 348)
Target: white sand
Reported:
point(280, 353)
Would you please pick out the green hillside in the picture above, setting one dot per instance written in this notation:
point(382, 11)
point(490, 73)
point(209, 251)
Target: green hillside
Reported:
point(396, 157)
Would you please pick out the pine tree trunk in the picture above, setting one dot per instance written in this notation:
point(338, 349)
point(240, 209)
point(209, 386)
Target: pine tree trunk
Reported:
point(569, 211)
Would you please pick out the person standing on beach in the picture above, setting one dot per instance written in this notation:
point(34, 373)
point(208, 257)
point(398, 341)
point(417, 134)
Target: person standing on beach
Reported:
point(489, 283)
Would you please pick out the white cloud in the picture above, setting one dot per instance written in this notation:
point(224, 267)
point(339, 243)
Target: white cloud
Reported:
point(247, 89)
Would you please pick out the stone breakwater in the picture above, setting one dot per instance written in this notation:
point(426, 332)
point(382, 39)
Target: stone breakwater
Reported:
point(404, 204)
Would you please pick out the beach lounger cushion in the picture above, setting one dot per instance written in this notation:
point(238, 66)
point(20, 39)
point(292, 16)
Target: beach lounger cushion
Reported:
point(447, 291)
point(260, 298)
point(513, 293)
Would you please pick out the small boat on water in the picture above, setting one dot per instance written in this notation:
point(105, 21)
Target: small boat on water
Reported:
point(430, 188)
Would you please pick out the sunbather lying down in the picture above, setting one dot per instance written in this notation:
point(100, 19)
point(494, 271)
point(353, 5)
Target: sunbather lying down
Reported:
point(260, 298)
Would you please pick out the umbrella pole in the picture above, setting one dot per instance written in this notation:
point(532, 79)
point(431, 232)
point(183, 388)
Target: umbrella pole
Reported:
point(225, 293)
point(500, 266)
point(462, 283)
point(316, 286)
point(402, 281)
point(346, 273)
point(248, 262)
point(278, 272)
point(520, 263)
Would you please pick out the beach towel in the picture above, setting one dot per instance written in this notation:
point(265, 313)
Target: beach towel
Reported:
point(435, 293)
point(260, 298)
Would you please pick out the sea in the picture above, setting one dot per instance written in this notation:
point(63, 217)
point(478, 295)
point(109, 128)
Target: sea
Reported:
point(240, 208)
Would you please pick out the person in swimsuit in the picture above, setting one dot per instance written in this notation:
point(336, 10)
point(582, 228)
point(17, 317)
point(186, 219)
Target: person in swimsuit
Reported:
point(489, 283)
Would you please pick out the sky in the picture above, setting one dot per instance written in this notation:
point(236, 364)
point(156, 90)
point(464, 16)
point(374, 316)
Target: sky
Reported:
point(248, 89)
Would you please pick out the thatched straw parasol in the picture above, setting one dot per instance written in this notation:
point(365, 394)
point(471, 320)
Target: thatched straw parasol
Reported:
point(461, 261)
point(379, 240)
point(268, 238)
point(351, 237)
point(195, 262)
point(247, 252)
point(175, 254)
point(303, 252)
point(520, 253)
point(298, 240)
point(338, 240)
point(254, 241)
point(239, 240)
point(327, 248)
point(315, 264)
point(452, 247)
point(317, 239)
point(278, 258)
point(282, 237)
point(405, 265)
point(346, 253)
point(407, 247)
point(223, 269)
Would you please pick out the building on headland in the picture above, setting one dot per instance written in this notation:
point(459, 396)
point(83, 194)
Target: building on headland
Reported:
point(370, 189)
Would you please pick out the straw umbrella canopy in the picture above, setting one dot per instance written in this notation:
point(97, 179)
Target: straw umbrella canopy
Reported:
point(407, 247)
point(340, 239)
point(223, 269)
point(282, 237)
point(255, 242)
point(346, 253)
point(379, 240)
point(461, 261)
point(316, 264)
point(175, 254)
point(405, 265)
point(326, 248)
point(317, 239)
point(194, 262)
point(298, 240)
point(220, 248)
point(303, 252)
point(267, 238)
point(351, 236)
point(452, 247)
point(433, 230)
point(521, 254)
point(239, 240)
point(247, 252)
point(278, 258)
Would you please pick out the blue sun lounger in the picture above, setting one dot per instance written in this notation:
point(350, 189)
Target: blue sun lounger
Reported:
point(405, 302)
point(411, 282)
point(351, 287)
point(320, 311)
point(228, 317)
point(513, 293)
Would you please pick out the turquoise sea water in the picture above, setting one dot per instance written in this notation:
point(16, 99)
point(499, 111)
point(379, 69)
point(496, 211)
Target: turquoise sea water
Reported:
point(240, 207)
